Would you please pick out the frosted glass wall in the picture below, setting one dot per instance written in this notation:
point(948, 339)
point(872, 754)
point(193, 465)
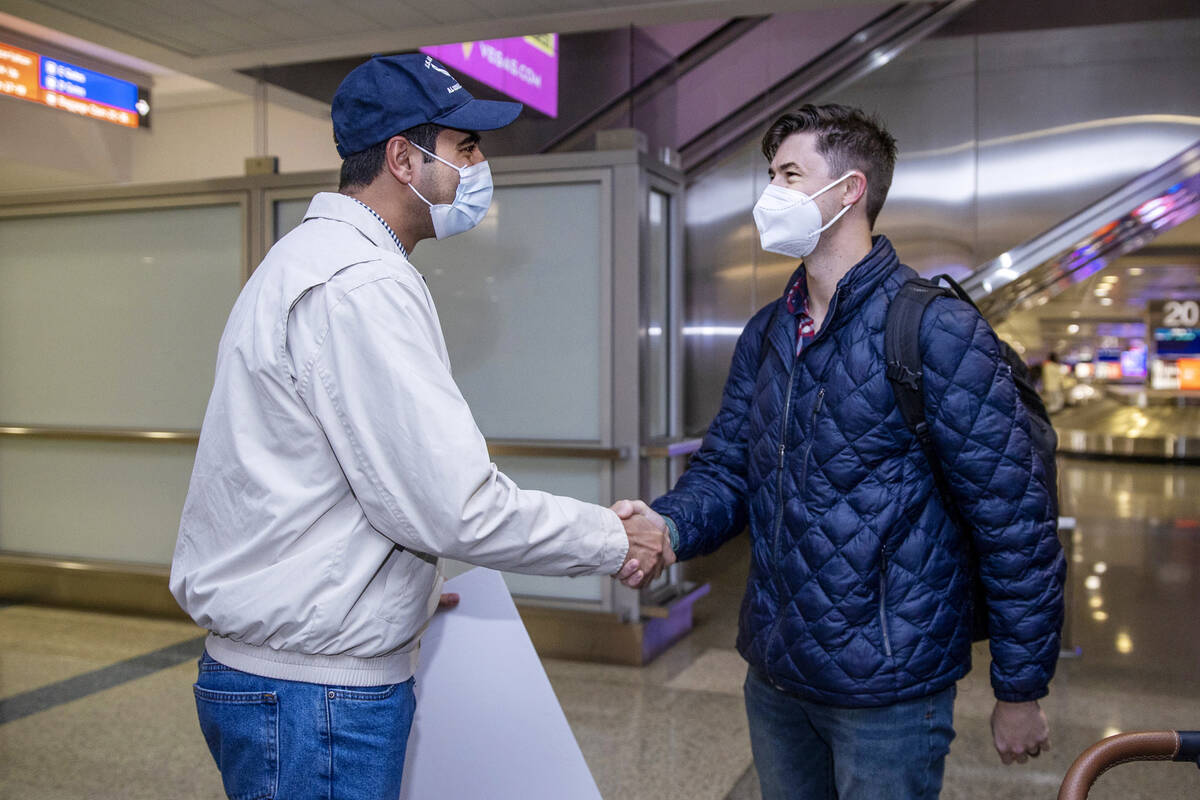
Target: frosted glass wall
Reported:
point(108, 319)
point(520, 299)
point(289, 214)
point(112, 501)
point(112, 319)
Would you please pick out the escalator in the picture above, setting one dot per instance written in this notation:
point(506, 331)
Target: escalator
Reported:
point(1115, 291)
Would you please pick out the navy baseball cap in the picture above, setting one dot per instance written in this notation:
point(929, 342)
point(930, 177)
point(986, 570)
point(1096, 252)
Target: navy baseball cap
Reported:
point(390, 94)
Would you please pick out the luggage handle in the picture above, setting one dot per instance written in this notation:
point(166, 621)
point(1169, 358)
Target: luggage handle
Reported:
point(1124, 748)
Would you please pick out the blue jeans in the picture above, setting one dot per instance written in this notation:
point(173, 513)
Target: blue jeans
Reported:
point(809, 751)
point(300, 741)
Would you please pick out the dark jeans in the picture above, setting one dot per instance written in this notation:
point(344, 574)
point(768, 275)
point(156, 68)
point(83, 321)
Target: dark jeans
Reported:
point(302, 741)
point(809, 751)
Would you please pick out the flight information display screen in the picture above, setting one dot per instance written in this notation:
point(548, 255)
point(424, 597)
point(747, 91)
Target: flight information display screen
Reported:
point(1176, 342)
point(26, 75)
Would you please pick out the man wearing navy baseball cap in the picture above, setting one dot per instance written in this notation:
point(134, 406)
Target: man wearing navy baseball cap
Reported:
point(338, 462)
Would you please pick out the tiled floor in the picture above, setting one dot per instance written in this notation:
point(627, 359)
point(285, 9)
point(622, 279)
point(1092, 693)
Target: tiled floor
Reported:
point(99, 706)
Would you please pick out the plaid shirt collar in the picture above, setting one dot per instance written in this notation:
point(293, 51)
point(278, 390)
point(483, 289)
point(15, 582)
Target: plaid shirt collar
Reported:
point(797, 306)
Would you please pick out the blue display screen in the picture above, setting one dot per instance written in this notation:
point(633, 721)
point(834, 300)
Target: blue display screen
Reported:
point(1177, 342)
point(85, 84)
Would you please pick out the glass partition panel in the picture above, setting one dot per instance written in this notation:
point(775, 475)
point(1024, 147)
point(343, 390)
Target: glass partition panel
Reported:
point(113, 501)
point(583, 479)
point(109, 319)
point(520, 299)
point(658, 477)
point(587, 588)
point(289, 214)
point(113, 318)
point(658, 273)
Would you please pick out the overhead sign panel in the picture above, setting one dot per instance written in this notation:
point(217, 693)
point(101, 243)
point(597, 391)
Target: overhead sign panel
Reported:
point(525, 67)
point(52, 82)
point(18, 72)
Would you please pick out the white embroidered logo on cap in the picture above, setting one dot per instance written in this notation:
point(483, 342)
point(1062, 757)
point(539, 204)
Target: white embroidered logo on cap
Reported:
point(430, 65)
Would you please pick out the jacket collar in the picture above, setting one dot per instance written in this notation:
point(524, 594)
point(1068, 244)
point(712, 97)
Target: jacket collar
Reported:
point(858, 284)
point(339, 207)
point(852, 292)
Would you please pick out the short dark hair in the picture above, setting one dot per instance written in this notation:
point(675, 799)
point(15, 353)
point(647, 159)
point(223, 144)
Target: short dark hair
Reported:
point(361, 168)
point(848, 138)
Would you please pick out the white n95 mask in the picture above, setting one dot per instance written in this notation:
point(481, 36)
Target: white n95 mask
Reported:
point(789, 222)
point(472, 198)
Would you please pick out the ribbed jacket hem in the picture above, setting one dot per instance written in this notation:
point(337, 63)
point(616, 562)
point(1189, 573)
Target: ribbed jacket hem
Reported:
point(289, 665)
point(866, 697)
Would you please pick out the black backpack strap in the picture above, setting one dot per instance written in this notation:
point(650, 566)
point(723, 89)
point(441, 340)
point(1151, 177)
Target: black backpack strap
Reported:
point(902, 348)
point(957, 290)
point(905, 370)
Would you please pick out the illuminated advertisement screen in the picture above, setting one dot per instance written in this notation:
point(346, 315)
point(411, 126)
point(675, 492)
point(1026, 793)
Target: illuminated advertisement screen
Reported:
point(1133, 363)
point(525, 67)
point(1189, 374)
point(26, 75)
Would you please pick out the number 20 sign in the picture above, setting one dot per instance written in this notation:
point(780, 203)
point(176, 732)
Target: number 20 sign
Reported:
point(1174, 313)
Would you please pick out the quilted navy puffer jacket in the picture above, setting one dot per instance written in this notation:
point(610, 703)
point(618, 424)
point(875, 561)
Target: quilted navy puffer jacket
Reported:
point(814, 453)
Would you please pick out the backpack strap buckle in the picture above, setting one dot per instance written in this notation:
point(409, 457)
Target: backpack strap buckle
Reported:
point(899, 373)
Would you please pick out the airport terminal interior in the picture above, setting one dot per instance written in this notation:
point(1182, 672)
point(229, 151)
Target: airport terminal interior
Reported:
point(151, 153)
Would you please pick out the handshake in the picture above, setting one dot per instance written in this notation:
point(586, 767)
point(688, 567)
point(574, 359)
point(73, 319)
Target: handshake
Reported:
point(649, 543)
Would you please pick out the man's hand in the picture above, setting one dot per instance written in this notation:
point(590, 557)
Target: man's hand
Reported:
point(1019, 730)
point(447, 601)
point(649, 544)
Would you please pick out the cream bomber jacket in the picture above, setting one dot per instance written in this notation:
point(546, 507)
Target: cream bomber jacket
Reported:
point(338, 461)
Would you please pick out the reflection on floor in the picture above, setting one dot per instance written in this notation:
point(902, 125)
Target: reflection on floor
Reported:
point(105, 708)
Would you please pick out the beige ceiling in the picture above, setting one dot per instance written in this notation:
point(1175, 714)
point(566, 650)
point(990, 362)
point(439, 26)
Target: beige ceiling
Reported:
point(212, 39)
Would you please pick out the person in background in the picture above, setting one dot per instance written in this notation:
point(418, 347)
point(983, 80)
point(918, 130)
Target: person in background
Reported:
point(338, 462)
point(1052, 384)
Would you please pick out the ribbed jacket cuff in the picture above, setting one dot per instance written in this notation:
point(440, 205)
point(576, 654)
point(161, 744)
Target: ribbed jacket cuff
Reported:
point(673, 532)
point(1021, 697)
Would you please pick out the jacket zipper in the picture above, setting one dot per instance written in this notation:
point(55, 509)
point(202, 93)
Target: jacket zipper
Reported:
point(787, 405)
point(883, 623)
point(778, 538)
point(812, 429)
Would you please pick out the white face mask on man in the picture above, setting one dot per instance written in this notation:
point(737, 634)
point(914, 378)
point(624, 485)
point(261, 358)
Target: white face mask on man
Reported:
point(472, 198)
point(789, 222)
